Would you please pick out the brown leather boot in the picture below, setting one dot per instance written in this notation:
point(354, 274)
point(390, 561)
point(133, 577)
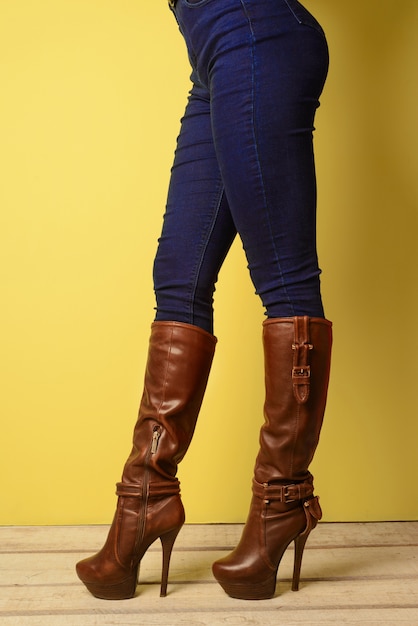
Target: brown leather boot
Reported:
point(149, 505)
point(283, 509)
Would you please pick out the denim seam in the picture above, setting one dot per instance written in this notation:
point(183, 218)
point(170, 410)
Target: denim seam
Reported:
point(202, 255)
point(293, 13)
point(310, 24)
point(266, 204)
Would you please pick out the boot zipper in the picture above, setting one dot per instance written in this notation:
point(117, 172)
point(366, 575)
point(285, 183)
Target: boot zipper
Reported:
point(155, 439)
point(156, 434)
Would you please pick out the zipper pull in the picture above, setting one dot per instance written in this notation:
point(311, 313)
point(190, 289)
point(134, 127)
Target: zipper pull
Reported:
point(155, 439)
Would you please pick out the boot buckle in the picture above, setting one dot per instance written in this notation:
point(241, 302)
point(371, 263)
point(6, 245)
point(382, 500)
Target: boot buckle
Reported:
point(287, 497)
point(301, 372)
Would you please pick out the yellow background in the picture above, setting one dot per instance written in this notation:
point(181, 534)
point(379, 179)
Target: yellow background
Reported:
point(91, 96)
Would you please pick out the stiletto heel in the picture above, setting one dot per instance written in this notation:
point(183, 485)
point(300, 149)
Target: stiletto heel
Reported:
point(313, 515)
point(300, 543)
point(167, 542)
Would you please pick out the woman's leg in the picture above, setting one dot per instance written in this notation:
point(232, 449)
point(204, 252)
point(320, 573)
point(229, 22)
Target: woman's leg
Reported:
point(264, 68)
point(198, 229)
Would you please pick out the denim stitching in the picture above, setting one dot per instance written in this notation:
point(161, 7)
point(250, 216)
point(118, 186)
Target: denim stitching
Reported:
point(202, 256)
point(293, 13)
point(266, 205)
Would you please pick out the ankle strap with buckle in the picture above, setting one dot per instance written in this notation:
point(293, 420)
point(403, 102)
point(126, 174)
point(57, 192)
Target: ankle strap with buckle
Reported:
point(282, 493)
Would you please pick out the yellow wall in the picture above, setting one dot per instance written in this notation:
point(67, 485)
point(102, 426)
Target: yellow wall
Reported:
point(92, 93)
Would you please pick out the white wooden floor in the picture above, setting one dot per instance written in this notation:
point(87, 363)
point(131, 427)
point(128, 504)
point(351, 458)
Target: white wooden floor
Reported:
point(360, 574)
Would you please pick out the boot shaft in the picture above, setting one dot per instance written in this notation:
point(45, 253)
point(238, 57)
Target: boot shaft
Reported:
point(178, 365)
point(297, 353)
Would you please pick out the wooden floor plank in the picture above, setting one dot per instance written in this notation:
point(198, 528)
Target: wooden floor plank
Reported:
point(361, 617)
point(393, 562)
point(184, 597)
point(360, 574)
point(199, 536)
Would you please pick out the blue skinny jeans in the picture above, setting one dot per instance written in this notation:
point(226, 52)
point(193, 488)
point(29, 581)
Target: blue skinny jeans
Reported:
point(244, 159)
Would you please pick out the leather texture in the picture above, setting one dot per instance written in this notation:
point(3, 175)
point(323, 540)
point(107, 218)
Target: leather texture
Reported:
point(149, 505)
point(283, 508)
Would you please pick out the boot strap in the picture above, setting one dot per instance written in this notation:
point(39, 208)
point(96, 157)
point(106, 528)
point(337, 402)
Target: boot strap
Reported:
point(301, 371)
point(155, 490)
point(282, 493)
point(129, 491)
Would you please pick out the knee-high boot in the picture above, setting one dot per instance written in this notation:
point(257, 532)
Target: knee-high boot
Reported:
point(149, 505)
point(283, 508)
